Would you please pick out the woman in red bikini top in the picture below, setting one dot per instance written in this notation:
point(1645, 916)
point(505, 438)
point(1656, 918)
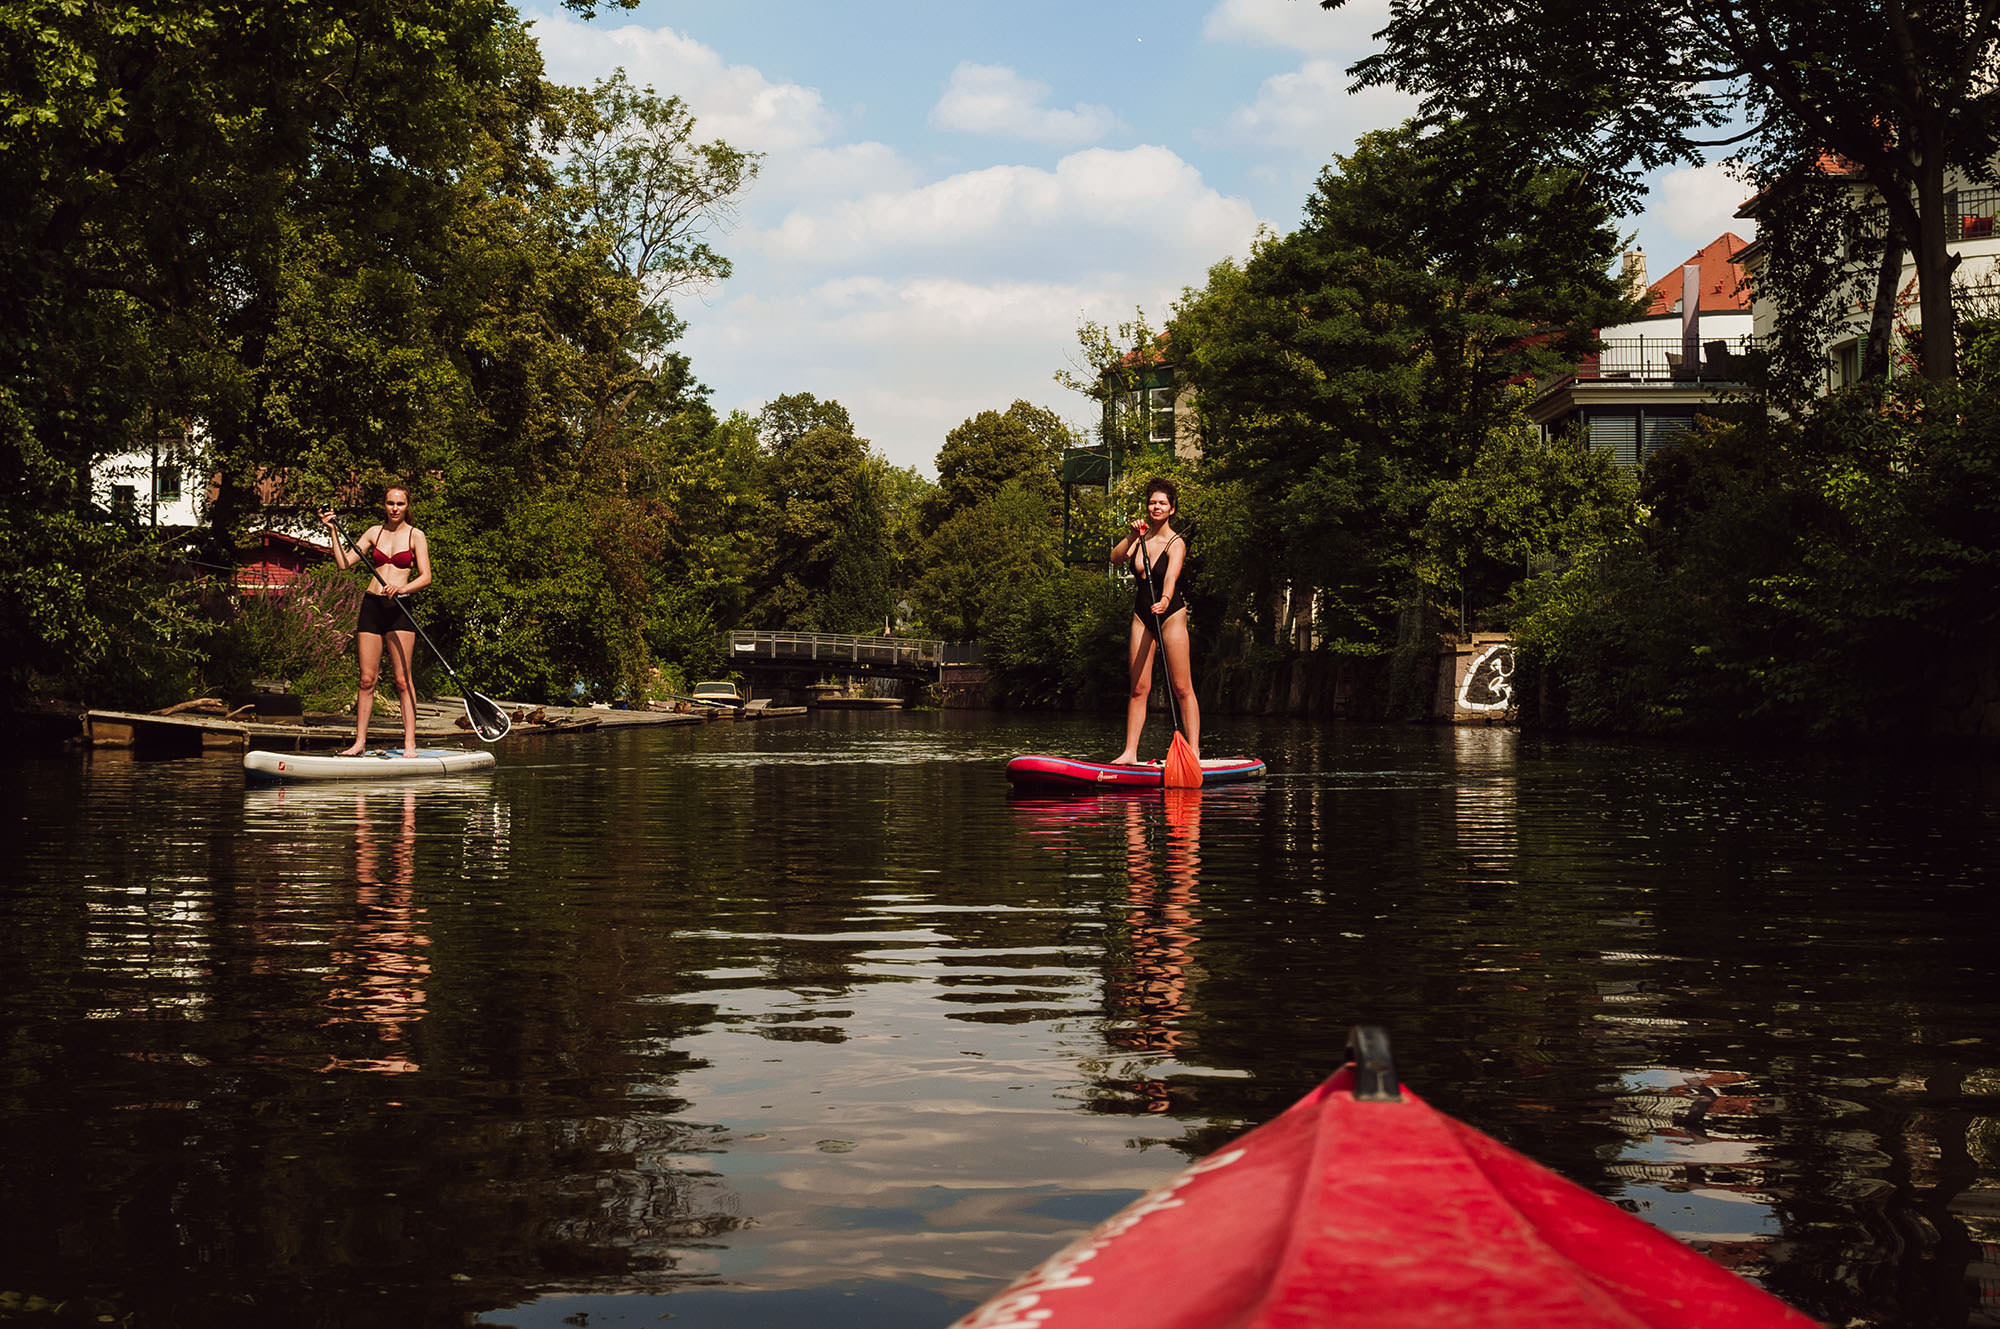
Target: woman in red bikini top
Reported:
point(400, 559)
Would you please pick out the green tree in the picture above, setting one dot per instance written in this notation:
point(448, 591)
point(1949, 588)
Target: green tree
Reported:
point(906, 496)
point(980, 554)
point(1525, 504)
point(639, 184)
point(183, 186)
point(823, 562)
point(1023, 444)
point(1058, 640)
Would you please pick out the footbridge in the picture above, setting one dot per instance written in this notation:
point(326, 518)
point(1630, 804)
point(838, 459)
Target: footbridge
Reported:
point(787, 660)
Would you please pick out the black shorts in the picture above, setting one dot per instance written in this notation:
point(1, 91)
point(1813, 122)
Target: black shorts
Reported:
point(383, 614)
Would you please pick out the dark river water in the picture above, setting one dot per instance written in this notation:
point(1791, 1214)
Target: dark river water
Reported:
point(808, 1022)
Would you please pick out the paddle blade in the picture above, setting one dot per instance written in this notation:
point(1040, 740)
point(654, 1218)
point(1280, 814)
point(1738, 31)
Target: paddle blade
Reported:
point(1183, 769)
point(488, 720)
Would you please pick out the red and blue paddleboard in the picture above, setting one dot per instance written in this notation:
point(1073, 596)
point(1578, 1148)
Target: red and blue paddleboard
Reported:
point(1040, 772)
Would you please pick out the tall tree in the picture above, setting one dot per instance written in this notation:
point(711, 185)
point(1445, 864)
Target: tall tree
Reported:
point(824, 559)
point(1023, 443)
point(644, 188)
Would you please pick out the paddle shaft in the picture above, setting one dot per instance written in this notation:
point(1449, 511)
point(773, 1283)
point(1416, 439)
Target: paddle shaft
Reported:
point(1152, 621)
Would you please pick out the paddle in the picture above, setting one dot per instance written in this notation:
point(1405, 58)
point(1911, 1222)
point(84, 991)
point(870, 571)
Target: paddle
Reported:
point(488, 720)
point(1182, 769)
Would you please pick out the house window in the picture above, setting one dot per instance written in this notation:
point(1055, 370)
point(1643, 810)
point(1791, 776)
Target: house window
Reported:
point(1616, 433)
point(167, 484)
point(1658, 431)
point(124, 500)
point(1847, 363)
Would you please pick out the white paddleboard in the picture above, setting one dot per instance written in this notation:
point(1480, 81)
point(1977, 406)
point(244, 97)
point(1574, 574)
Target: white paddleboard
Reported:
point(386, 764)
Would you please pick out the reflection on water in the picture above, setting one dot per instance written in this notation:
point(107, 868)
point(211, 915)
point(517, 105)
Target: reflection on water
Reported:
point(811, 1022)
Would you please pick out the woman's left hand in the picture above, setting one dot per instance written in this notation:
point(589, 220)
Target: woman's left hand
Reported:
point(1159, 608)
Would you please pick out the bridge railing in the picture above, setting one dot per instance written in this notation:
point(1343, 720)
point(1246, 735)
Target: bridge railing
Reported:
point(833, 647)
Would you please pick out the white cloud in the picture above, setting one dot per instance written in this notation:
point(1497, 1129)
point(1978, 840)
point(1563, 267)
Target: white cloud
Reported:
point(1299, 25)
point(1146, 194)
point(1694, 204)
point(732, 102)
point(912, 358)
point(842, 170)
point(993, 99)
point(1311, 110)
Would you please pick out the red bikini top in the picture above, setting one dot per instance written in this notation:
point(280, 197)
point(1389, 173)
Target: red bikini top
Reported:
point(402, 560)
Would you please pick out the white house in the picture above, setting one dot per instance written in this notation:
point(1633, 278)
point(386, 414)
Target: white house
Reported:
point(1642, 390)
point(157, 487)
point(1971, 235)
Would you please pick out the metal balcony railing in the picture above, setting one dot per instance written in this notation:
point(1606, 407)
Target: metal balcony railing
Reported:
point(1970, 214)
point(1660, 359)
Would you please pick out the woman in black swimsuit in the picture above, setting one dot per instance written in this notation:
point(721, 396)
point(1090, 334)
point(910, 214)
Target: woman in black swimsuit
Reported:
point(1157, 600)
point(403, 557)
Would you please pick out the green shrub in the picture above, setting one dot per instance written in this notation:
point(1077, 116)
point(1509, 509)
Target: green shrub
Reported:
point(304, 637)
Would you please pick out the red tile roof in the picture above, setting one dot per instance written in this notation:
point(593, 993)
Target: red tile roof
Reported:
point(1722, 287)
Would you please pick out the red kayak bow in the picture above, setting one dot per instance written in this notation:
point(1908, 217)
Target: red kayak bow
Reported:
point(1363, 1206)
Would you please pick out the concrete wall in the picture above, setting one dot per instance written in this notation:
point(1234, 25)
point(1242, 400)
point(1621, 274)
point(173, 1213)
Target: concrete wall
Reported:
point(965, 687)
point(1475, 681)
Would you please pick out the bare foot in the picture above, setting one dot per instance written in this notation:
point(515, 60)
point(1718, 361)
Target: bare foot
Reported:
point(354, 751)
point(1125, 759)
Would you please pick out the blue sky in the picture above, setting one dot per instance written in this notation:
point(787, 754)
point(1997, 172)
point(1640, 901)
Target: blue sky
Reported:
point(948, 190)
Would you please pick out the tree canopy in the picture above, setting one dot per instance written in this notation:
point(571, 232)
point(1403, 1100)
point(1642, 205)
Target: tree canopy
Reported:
point(315, 248)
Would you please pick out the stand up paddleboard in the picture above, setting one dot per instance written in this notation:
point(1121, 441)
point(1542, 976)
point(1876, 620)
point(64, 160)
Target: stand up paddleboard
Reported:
point(1040, 772)
point(385, 764)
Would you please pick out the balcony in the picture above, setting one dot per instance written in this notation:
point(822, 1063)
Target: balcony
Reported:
point(1969, 215)
point(1659, 360)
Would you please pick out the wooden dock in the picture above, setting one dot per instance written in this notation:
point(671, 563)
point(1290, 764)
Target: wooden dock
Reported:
point(439, 721)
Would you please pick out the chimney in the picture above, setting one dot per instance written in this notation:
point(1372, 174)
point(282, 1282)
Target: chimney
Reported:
point(1634, 272)
point(1691, 316)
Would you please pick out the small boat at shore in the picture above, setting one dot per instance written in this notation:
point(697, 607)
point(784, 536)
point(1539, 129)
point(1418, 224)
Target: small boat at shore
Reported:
point(263, 767)
point(1037, 771)
point(1362, 1206)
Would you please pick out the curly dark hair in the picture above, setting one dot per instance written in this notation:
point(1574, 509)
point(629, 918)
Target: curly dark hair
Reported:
point(1164, 486)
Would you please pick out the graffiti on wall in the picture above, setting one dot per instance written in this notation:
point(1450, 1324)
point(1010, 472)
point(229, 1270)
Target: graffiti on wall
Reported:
point(1488, 684)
